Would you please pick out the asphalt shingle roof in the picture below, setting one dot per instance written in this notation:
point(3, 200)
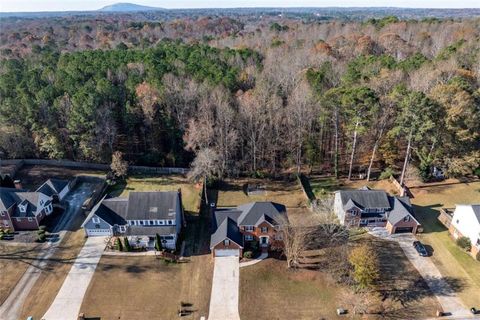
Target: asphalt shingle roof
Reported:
point(52, 186)
point(365, 198)
point(476, 211)
point(227, 229)
point(152, 205)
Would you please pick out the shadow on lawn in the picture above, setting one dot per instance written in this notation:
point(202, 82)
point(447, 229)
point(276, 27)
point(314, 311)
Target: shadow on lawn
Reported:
point(428, 217)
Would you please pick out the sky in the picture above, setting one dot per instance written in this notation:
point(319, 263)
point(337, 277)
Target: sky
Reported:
point(80, 5)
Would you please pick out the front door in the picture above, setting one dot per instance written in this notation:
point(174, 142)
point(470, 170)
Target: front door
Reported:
point(264, 241)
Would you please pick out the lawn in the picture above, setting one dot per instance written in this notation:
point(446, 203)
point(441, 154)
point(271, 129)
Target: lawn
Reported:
point(190, 192)
point(52, 275)
point(148, 288)
point(14, 261)
point(450, 259)
point(232, 193)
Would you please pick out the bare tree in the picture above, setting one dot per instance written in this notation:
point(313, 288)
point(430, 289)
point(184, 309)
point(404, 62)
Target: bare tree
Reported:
point(119, 166)
point(205, 166)
point(295, 239)
point(327, 228)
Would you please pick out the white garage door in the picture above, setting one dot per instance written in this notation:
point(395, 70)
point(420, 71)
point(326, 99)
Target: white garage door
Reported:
point(227, 252)
point(98, 232)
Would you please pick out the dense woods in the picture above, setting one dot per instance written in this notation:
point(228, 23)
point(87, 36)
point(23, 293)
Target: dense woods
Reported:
point(245, 97)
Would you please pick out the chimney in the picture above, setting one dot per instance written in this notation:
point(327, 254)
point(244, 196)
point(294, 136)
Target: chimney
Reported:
point(18, 184)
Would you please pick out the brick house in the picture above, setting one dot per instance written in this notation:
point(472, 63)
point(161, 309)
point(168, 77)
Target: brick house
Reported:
point(375, 208)
point(466, 223)
point(23, 210)
point(235, 228)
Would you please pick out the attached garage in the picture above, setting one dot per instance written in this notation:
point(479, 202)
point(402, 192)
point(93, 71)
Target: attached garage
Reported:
point(227, 252)
point(403, 230)
point(98, 232)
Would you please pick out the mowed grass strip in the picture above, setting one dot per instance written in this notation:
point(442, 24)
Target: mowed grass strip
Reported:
point(148, 288)
point(14, 261)
point(451, 260)
point(190, 191)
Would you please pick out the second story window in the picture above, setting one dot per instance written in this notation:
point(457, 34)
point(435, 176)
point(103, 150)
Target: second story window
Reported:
point(264, 229)
point(96, 220)
point(226, 242)
point(249, 228)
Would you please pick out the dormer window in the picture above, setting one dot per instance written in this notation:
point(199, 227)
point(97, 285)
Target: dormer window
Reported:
point(407, 218)
point(96, 220)
point(226, 242)
point(264, 229)
point(23, 209)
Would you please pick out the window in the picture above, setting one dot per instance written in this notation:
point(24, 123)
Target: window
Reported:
point(95, 220)
point(249, 228)
point(151, 222)
point(97, 226)
point(170, 222)
point(458, 221)
point(131, 222)
point(264, 229)
point(407, 218)
point(121, 228)
point(141, 222)
point(248, 237)
point(30, 219)
point(353, 212)
point(2, 214)
point(6, 224)
point(161, 222)
point(226, 242)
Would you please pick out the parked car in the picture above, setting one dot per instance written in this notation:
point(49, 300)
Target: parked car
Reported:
point(422, 251)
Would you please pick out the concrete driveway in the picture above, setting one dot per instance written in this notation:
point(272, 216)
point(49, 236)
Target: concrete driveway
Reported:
point(66, 305)
point(225, 286)
point(430, 273)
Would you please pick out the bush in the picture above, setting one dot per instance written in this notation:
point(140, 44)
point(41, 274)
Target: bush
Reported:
point(42, 228)
point(128, 248)
point(464, 243)
point(41, 237)
point(248, 254)
point(118, 244)
point(158, 242)
point(386, 174)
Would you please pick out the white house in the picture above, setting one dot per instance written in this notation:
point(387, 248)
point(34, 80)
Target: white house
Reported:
point(466, 223)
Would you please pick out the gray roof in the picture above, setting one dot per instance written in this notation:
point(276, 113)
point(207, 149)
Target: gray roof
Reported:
point(476, 211)
point(10, 197)
point(365, 198)
point(221, 214)
point(152, 205)
point(52, 186)
point(227, 229)
point(158, 205)
point(255, 212)
point(401, 208)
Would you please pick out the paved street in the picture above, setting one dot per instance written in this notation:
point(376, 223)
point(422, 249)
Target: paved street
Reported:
point(430, 273)
point(225, 286)
point(66, 305)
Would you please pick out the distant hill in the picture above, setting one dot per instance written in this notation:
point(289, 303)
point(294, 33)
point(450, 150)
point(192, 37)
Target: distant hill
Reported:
point(127, 7)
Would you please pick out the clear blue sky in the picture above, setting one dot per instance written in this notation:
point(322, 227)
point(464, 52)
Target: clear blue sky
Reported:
point(69, 5)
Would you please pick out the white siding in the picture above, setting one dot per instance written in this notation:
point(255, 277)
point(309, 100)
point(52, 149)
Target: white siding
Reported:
point(338, 208)
point(466, 223)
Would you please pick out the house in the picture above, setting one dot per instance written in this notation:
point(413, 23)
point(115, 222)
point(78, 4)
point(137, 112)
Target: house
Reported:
point(55, 188)
point(235, 228)
point(375, 208)
point(139, 217)
point(23, 210)
point(466, 223)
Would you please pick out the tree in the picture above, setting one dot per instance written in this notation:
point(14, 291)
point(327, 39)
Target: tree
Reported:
point(128, 248)
point(295, 240)
point(328, 230)
point(365, 263)
point(119, 166)
point(158, 242)
point(206, 165)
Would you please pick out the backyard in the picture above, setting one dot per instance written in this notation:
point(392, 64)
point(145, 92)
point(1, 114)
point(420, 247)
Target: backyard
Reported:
point(450, 259)
point(190, 191)
point(233, 192)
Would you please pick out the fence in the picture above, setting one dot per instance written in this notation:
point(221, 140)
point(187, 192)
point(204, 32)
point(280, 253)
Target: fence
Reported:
point(402, 190)
point(19, 163)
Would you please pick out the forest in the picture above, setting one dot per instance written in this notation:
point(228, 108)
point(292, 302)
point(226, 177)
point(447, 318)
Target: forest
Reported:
point(245, 97)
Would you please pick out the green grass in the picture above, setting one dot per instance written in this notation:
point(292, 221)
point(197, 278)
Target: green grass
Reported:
point(190, 191)
point(451, 260)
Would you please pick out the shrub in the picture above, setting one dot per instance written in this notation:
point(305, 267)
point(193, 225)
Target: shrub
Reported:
point(464, 243)
point(365, 263)
point(42, 228)
point(118, 244)
point(158, 242)
point(248, 254)
point(128, 247)
point(41, 237)
point(386, 174)
point(2, 234)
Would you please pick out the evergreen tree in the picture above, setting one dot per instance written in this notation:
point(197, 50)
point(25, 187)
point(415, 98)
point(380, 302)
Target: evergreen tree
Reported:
point(128, 248)
point(158, 243)
point(118, 244)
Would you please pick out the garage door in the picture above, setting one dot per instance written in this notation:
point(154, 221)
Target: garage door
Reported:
point(403, 229)
point(98, 232)
point(227, 252)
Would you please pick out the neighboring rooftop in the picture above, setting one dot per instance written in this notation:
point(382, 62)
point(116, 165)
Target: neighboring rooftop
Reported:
point(364, 198)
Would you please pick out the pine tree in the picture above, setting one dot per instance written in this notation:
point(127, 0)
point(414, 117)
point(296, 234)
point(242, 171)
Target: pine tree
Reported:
point(128, 248)
point(118, 245)
point(158, 243)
